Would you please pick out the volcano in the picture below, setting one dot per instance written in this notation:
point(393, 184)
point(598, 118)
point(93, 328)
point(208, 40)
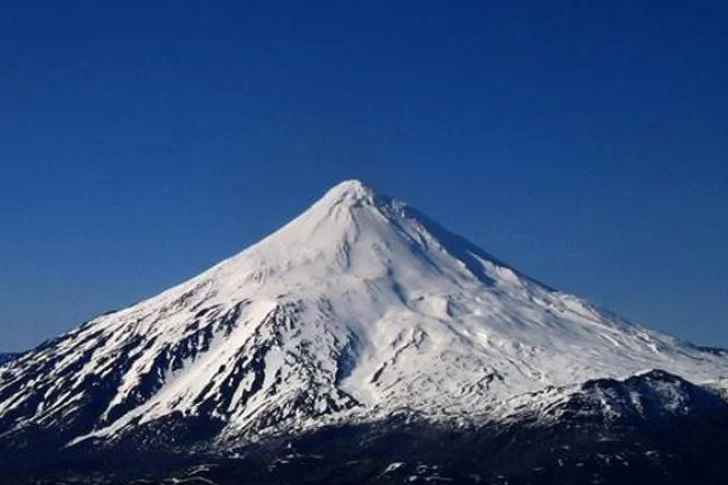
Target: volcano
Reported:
point(360, 309)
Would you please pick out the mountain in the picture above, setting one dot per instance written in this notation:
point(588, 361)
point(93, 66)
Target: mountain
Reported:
point(647, 398)
point(360, 310)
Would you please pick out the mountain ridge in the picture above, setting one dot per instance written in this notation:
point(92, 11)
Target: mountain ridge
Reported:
point(5, 357)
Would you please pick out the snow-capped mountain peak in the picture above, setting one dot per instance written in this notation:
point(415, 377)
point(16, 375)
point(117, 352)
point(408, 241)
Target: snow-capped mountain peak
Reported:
point(349, 191)
point(358, 307)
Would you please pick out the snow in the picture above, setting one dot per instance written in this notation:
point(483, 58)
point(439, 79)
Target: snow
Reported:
point(359, 306)
point(394, 466)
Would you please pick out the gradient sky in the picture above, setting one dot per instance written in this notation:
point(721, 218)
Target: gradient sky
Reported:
point(585, 145)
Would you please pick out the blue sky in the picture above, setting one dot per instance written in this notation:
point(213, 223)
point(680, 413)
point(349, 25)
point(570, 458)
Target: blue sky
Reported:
point(143, 141)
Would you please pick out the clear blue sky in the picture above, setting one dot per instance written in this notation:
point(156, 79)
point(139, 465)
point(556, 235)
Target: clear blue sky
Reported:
point(141, 142)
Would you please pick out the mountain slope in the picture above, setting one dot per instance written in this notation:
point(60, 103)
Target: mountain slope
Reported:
point(358, 307)
point(6, 357)
point(650, 427)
